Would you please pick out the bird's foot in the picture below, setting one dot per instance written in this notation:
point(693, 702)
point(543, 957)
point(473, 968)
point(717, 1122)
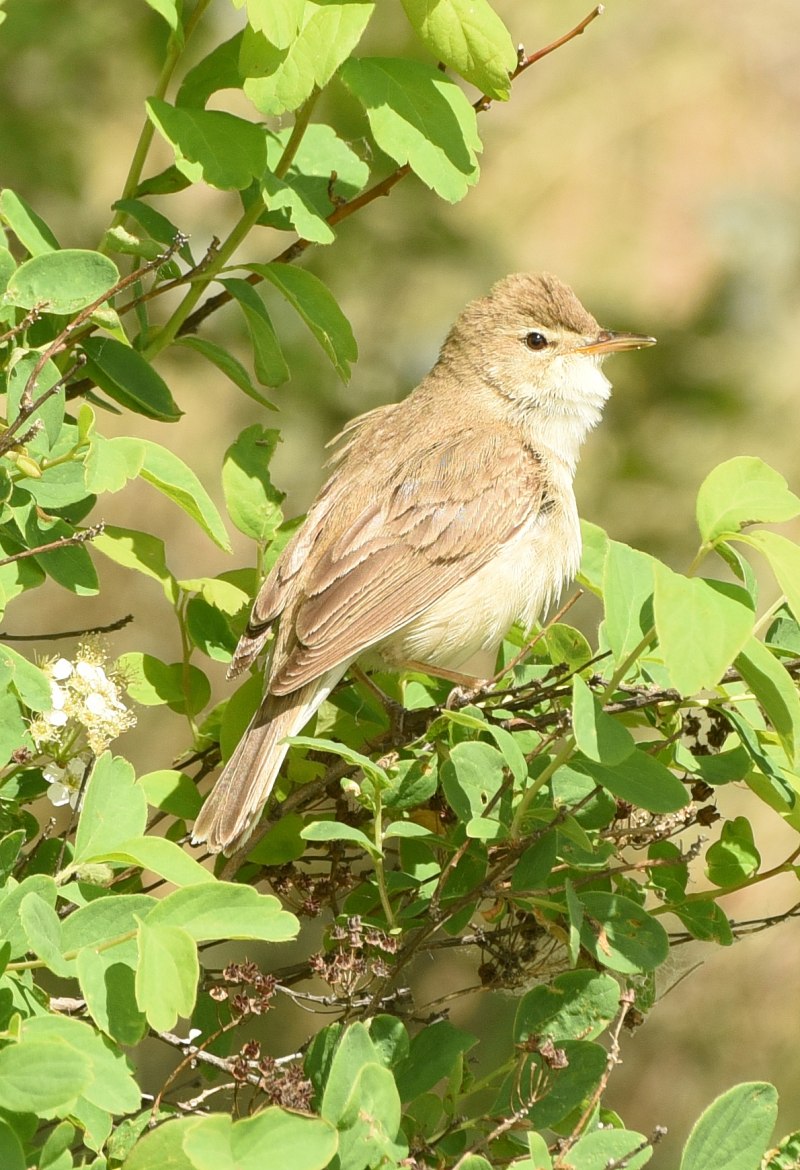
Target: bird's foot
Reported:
point(462, 695)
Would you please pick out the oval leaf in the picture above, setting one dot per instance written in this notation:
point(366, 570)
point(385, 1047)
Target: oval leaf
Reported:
point(62, 282)
point(126, 377)
point(734, 1132)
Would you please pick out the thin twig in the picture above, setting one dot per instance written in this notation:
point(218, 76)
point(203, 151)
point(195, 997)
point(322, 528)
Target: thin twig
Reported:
point(111, 628)
point(626, 1002)
point(62, 542)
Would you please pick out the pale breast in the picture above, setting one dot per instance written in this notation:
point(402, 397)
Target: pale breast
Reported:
point(517, 585)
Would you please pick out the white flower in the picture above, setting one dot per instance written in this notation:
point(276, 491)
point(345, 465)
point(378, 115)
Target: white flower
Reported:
point(58, 697)
point(64, 781)
point(56, 718)
point(91, 673)
point(96, 704)
point(61, 669)
point(59, 794)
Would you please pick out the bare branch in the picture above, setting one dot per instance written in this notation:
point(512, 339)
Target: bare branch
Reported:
point(62, 542)
point(111, 628)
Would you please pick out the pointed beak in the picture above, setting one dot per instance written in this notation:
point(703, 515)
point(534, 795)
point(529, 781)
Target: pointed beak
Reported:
point(609, 342)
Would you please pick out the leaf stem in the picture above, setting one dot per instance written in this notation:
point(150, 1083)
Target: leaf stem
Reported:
point(167, 334)
point(175, 46)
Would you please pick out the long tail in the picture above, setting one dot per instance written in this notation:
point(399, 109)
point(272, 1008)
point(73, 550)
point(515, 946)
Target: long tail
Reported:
point(230, 813)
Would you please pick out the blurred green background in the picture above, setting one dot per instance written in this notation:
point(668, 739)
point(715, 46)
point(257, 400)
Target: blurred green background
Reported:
point(654, 164)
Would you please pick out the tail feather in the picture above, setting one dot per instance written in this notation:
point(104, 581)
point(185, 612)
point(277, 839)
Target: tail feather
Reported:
point(231, 812)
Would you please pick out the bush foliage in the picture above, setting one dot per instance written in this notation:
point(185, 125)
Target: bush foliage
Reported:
point(547, 824)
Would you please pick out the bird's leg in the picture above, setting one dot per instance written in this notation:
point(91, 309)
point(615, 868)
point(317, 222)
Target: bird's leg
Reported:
point(466, 687)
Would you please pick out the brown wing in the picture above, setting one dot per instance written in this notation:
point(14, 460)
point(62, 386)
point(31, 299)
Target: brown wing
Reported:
point(434, 519)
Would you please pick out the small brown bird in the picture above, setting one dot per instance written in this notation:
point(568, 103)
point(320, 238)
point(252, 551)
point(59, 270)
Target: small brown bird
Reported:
point(448, 517)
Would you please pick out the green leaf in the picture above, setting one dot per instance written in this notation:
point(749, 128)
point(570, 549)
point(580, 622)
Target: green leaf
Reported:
point(56, 1153)
point(107, 917)
point(131, 381)
point(628, 592)
point(734, 858)
point(419, 117)
point(639, 779)
point(734, 1131)
point(42, 1075)
point(604, 1147)
point(370, 768)
point(324, 167)
point(280, 196)
point(218, 148)
point(172, 792)
point(268, 360)
point(599, 736)
point(534, 867)
point(62, 282)
point(595, 550)
point(112, 1087)
point(219, 69)
point(170, 475)
point(621, 935)
point(210, 630)
point(705, 920)
point(775, 690)
point(163, 857)
point(702, 626)
point(739, 492)
point(139, 551)
point(7, 266)
point(42, 928)
point(336, 831)
point(313, 301)
point(51, 412)
point(470, 37)
point(778, 786)
point(110, 463)
point(222, 910)
point(253, 503)
point(223, 594)
point(152, 682)
point(784, 560)
point(167, 974)
point(433, 1054)
point(154, 223)
point(577, 1005)
point(162, 1148)
point(471, 776)
point(31, 231)
point(107, 982)
point(281, 844)
point(273, 1137)
point(230, 366)
point(114, 809)
point(31, 684)
point(565, 1089)
point(70, 566)
point(279, 20)
point(170, 10)
point(11, 929)
point(369, 1125)
point(278, 79)
point(12, 1155)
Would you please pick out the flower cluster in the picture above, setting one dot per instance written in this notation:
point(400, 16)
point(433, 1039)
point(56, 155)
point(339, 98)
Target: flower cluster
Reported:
point(86, 712)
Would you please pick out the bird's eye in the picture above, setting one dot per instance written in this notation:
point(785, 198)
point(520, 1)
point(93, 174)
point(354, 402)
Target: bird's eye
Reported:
point(535, 340)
